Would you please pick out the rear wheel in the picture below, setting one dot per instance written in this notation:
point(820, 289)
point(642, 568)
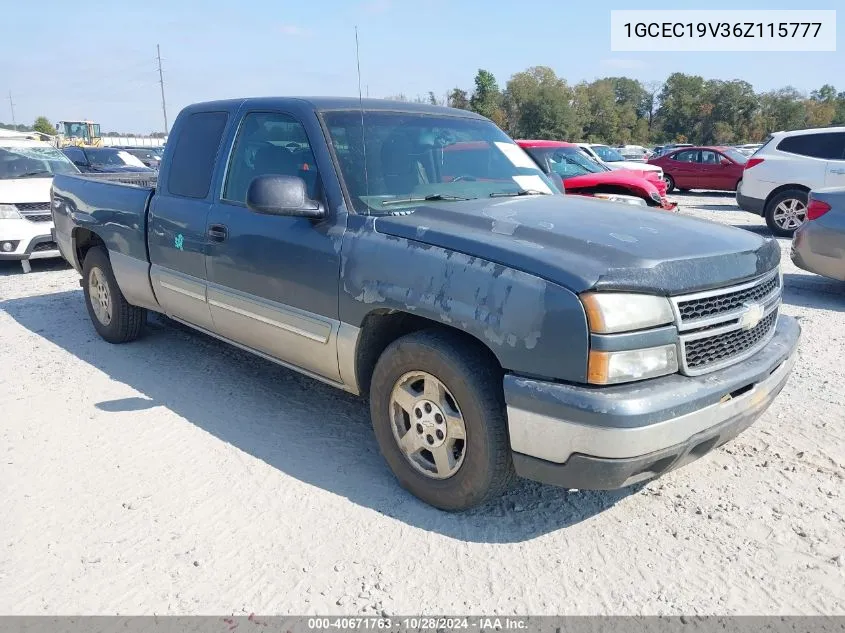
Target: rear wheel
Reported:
point(670, 182)
point(786, 211)
point(438, 414)
point(114, 318)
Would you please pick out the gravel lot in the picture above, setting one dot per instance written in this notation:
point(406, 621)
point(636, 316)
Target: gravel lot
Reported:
point(178, 475)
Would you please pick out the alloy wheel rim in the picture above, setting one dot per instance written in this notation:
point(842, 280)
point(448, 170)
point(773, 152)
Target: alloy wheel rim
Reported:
point(428, 425)
point(100, 296)
point(789, 214)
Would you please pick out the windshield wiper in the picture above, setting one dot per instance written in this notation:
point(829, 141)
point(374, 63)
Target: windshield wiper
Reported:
point(521, 192)
point(32, 174)
point(433, 197)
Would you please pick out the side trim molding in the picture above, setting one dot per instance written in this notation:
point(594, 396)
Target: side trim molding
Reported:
point(268, 321)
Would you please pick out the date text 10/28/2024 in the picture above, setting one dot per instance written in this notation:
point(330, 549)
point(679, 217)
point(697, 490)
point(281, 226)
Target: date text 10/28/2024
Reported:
point(421, 623)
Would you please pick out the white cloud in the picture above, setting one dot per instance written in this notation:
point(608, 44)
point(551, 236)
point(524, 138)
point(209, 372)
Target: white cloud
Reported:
point(293, 30)
point(623, 63)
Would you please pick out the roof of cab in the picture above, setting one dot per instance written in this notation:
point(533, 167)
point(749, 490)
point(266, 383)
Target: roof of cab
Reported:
point(334, 103)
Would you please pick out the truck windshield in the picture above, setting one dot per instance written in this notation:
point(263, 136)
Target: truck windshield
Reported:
point(433, 158)
point(33, 162)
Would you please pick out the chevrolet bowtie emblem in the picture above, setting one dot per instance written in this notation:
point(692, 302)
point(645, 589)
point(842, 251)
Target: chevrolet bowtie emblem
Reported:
point(752, 316)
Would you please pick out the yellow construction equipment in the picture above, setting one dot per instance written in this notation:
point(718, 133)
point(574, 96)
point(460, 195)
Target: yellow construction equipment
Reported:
point(79, 133)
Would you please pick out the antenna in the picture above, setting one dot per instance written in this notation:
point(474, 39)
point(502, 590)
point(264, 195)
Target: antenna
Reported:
point(361, 106)
point(161, 81)
point(12, 105)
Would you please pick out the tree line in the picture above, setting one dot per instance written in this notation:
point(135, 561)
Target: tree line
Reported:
point(536, 103)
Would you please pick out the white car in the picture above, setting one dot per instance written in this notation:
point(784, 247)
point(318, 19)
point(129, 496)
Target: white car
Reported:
point(26, 173)
point(608, 156)
point(779, 175)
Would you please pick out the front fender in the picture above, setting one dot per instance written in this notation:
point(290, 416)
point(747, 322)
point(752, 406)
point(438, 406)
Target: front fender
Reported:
point(534, 327)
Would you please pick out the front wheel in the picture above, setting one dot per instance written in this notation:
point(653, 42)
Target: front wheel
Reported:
point(670, 183)
point(786, 211)
point(438, 414)
point(114, 318)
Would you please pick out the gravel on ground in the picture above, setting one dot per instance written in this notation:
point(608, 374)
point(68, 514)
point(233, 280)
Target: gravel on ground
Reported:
point(178, 475)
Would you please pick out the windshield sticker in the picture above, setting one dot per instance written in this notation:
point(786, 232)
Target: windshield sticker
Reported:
point(532, 183)
point(516, 155)
point(179, 241)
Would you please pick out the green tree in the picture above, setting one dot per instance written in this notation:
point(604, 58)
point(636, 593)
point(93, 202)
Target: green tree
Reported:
point(486, 100)
point(539, 104)
point(458, 99)
point(680, 106)
point(825, 94)
point(44, 126)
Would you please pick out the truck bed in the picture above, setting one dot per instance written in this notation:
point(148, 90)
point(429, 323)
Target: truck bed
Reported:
point(92, 202)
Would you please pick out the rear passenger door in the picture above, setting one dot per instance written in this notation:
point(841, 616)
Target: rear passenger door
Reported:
point(683, 167)
point(835, 176)
point(176, 233)
point(273, 280)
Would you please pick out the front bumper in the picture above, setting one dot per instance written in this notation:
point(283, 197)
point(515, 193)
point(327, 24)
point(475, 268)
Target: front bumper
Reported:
point(32, 240)
point(603, 438)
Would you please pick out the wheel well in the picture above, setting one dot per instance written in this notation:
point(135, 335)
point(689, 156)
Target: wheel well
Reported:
point(381, 327)
point(781, 189)
point(83, 241)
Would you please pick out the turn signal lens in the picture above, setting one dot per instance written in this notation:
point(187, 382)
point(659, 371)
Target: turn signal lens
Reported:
point(751, 162)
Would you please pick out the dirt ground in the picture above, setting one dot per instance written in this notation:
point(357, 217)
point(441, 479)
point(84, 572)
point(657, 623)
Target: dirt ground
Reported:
point(177, 475)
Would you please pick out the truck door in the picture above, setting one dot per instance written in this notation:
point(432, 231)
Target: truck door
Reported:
point(178, 217)
point(273, 280)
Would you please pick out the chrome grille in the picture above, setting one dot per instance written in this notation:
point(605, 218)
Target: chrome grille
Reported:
point(695, 309)
point(37, 217)
point(23, 207)
point(707, 351)
point(717, 327)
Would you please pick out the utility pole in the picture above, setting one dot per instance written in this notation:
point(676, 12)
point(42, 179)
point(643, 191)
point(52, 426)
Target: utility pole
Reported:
point(12, 105)
point(161, 82)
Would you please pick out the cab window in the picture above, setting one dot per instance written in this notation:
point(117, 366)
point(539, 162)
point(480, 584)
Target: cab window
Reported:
point(269, 143)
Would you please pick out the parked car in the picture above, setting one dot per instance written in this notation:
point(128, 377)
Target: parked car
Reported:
point(582, 175)
point(614, 160)
point(749, 148)
point(498, 328)
point(636, 153)
point(104, 160)
point(26, 172)
point(717, 168)
point(149, 156)
point(778, 177)
point(818, 245)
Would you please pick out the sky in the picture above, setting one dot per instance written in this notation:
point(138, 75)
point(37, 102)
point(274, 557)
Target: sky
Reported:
point(97, 60)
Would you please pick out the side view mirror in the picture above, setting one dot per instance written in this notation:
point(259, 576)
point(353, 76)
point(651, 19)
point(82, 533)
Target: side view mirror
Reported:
point(725, 162)
point(273, 194)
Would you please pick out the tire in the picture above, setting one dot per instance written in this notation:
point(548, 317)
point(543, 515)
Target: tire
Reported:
point(121, 322)
point(670, 182)
point(738, 185)
point(786, 211)
point(473, 380)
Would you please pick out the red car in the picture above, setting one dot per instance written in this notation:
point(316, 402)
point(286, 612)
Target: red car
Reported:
point(583, 176)
point(688, 168)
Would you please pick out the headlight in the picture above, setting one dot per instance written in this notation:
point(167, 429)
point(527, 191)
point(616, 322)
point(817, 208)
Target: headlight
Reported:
point(655, 196)
point(611, 312)
point(607, 368)
point(9, 212)
point(616, 197)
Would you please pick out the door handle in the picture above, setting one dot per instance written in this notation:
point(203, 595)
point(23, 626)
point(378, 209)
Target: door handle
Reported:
point(218, 232)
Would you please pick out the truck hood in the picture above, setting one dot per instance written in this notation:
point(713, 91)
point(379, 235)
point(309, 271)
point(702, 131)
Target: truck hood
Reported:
point(585, 243)
point(25, 190)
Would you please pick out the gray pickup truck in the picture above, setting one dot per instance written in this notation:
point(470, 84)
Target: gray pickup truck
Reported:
point(417, 255)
